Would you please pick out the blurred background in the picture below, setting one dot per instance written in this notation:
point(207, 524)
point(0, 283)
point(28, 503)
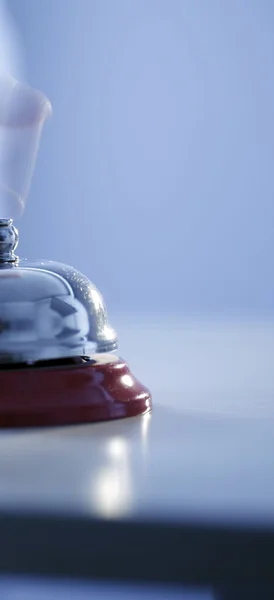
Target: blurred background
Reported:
point(155, 178)
point(155, 175)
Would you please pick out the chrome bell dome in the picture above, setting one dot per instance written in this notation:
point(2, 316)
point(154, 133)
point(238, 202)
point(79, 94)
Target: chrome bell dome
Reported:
point(48, 310)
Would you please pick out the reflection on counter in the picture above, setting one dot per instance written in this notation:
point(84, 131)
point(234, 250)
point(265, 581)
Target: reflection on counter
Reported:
point(111, 488)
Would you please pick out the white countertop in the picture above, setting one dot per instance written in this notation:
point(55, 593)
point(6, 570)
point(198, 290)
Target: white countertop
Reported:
point(206, 451)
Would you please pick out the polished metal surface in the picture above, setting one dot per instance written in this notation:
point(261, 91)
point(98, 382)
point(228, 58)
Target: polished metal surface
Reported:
point(48, 310)
point(8, 241)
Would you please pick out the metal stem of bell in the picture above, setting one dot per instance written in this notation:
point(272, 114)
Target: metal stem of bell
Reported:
point(8, 242)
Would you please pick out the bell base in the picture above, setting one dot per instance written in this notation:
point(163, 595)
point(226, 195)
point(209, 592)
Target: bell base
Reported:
point(100, 389)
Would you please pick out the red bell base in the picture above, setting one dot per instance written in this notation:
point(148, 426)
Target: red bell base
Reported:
point(96, 390)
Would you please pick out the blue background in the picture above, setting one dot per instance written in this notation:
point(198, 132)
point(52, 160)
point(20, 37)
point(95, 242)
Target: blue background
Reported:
point(155, 174)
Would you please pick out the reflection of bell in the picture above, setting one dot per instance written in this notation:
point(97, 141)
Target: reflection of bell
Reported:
point(56, 345)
